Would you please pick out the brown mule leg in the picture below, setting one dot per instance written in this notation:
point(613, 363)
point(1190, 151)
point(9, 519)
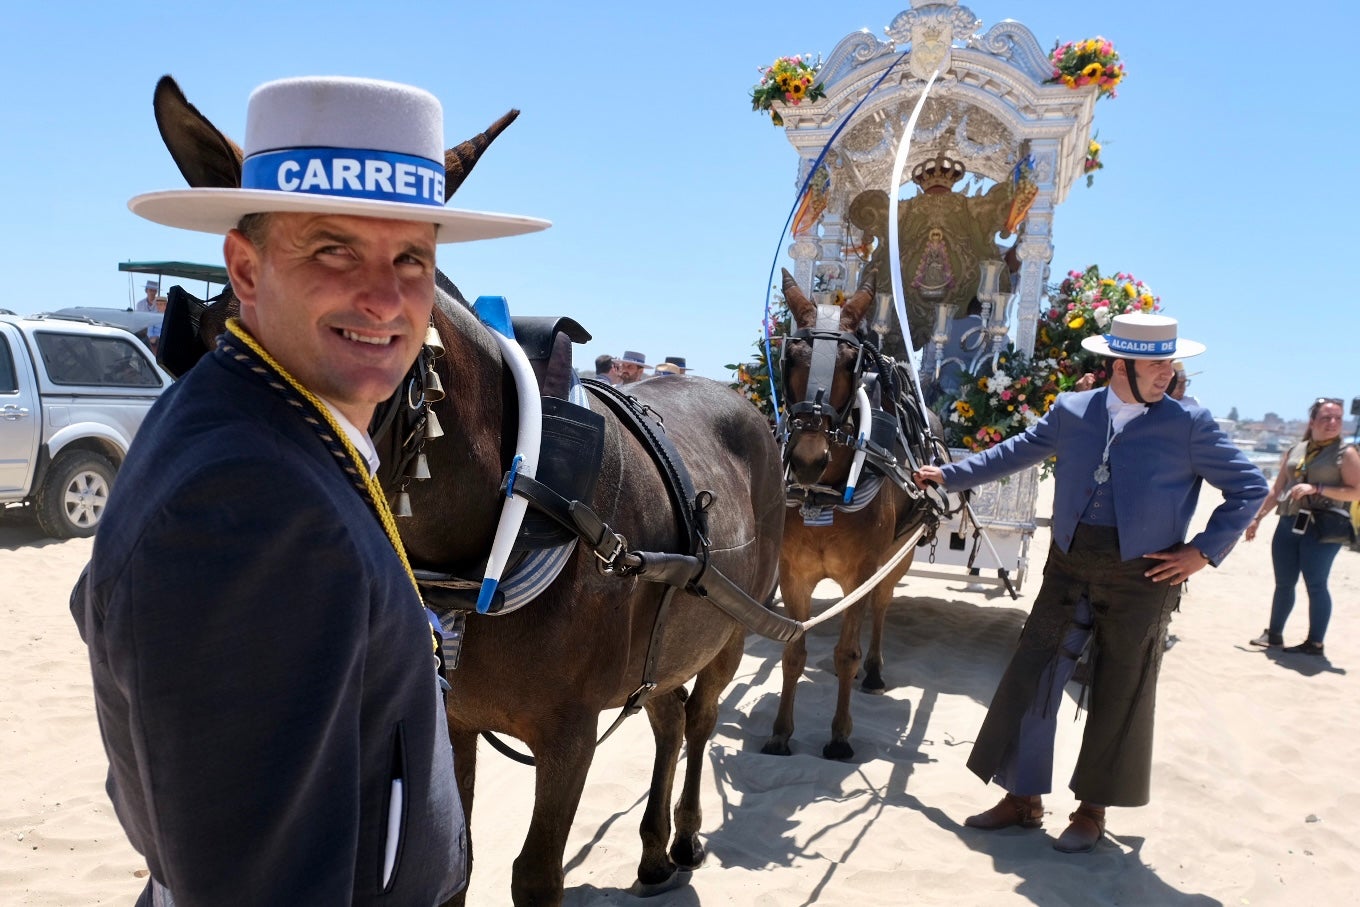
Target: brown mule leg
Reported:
point(666, 712)
point(848, 657)
point(701, 717)
point(559, 778)
point(797, 593)
point(881, 598)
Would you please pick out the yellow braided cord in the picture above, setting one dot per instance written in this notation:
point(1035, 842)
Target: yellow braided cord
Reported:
point(375, 493)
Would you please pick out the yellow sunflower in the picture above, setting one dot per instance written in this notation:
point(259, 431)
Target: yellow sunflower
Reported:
point(1093, 71)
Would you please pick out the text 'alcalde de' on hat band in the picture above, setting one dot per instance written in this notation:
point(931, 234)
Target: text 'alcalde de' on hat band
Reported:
point(1124, 345)
point(347, 172)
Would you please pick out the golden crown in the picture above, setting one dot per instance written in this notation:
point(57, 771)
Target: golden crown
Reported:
point(941, 170)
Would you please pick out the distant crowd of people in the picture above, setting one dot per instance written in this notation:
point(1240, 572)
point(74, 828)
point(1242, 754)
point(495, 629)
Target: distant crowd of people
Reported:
point(632, 366)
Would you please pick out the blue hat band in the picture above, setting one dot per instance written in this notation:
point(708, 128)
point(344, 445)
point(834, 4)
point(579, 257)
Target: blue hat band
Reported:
point(1125, 345)
point(380, 176)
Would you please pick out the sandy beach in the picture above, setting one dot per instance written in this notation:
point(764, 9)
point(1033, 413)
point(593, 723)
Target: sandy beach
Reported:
point(1253, 799)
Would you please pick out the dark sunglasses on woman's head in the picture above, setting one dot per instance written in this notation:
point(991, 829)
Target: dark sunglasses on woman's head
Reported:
point(1321, 400)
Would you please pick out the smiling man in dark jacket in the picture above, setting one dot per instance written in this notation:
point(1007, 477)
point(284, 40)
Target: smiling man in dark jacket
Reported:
point(264, 672)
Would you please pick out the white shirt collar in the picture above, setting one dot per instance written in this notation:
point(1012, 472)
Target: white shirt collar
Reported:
point(360, 439)
point(1121, 413)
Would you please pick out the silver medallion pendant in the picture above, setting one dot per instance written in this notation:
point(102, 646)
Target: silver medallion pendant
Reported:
point(1102, 474)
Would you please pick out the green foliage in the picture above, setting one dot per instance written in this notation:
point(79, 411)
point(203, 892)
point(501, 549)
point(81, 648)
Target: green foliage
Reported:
point(752, 378)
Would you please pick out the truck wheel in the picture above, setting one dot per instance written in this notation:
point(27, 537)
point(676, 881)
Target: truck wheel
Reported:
point(74, 494)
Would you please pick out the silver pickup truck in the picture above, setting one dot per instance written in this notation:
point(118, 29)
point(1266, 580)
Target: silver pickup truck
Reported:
point(72, 396)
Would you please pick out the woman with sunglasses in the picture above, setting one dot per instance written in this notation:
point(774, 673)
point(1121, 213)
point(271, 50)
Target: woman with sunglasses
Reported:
point(1321, 472)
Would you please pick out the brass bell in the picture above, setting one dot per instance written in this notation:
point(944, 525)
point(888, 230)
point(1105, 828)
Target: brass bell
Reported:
point(422, 468)
point(433, 342)
point(434, 388)
point(403, 507)
point(432, 427)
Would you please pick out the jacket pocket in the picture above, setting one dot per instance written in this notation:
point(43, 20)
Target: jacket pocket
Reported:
point(395, 809)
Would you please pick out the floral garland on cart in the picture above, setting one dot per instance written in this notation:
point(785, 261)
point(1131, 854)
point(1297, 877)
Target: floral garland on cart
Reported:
point(788, 80)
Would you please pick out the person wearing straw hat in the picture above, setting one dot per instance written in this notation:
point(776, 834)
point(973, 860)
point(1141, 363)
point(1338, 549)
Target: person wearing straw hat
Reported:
point(265, 675)
point(1130, 462)
point(1180, 388)
point(148, 304)
point(632, 366)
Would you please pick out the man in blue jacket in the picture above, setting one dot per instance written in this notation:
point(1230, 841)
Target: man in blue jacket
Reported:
point(1130, 463)
point(264, 673)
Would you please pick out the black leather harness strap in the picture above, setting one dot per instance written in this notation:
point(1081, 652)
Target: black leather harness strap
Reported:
point(691, 572)
point(693, 523)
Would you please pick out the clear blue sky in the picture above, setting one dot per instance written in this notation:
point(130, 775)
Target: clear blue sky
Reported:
point(1231, 179)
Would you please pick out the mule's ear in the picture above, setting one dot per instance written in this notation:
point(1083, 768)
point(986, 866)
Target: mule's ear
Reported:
point(803, 310)
point(206, 157)
point(460, 159)
point(852, 312)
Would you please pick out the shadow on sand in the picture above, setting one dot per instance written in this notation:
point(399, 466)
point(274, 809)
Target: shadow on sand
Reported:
point(943, 648)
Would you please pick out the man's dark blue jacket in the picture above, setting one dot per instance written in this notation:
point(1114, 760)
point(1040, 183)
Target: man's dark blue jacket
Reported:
point(262, 665)
point(1157, 465)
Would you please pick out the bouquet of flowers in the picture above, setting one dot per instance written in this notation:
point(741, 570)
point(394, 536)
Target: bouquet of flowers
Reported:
point(1094, 61)
point(1083, 305)
point(787, 79)
point(1093, 162)
point(991, 408)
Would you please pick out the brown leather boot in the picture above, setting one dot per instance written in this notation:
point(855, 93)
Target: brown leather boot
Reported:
point(1027, 812)
point(1085, 832)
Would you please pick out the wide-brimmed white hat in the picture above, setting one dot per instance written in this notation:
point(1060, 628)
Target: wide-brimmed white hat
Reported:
point(1142, 336)
point(337, 145)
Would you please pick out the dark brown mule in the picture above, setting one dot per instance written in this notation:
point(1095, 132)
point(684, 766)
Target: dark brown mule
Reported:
point(857, 543)
point(545, 672)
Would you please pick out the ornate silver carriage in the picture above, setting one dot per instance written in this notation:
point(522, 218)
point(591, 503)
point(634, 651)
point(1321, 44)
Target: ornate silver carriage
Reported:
point(991, 115)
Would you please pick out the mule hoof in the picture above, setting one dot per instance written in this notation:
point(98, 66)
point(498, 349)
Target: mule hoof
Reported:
point(677, 879)
point(777, 746)
point(874, 686)
point(688, 853)
point(840, 750)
